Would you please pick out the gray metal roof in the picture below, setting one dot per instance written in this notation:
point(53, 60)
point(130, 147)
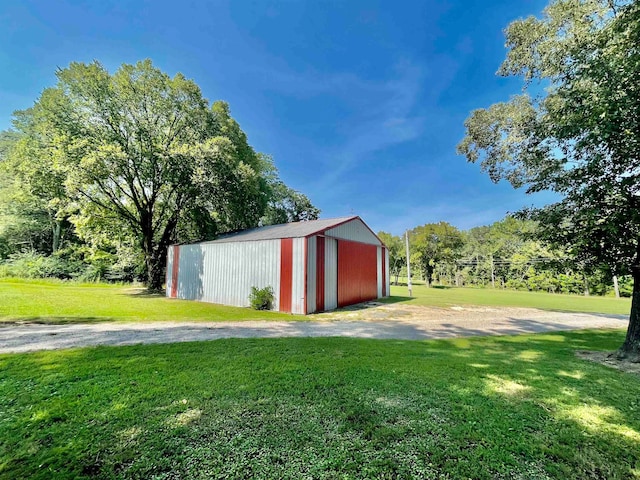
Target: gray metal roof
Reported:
point(285, 230)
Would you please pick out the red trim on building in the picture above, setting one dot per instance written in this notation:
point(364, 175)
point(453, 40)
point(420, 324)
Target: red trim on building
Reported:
point(320, 274)
point(384, 272)
point(174, 271)
point(286, 273)
point(357, 272)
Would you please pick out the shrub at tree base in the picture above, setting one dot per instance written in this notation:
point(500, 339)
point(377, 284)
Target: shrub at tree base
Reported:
point(261, 298)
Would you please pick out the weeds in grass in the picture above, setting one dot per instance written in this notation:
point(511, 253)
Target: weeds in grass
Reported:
point(496, 407)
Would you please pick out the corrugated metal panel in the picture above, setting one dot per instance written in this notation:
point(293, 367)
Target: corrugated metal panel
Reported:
point(285, 230)
point(354, 230)
point(190, 281)
point(298, 276)
point(169, 271)
point(386, 273)
point(286, 272)
point(319, 273)
point(356, 272)
point(330, 274)
point(379, 271)
point(225, 273)
point(311, 274)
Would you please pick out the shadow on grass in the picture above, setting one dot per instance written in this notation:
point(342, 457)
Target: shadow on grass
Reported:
point(501, 407)
point(394, 299)
point(55, 320)
point(142, 293)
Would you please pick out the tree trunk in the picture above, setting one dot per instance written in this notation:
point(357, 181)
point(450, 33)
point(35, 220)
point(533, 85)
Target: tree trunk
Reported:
point(631, 346)
point(586, 286)
point(57, 234)
point(155, 253)
point(616, 288)
point(155, 264)
point(428, 276)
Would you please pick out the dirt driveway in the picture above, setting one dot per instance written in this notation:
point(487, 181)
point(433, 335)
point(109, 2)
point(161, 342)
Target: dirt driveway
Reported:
point(394, 321)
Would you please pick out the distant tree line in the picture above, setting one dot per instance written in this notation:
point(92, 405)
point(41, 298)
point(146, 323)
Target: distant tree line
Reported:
point(506, 254)
point(105, 171)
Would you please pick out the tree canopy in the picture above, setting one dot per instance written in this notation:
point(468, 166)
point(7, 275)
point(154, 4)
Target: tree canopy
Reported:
point(138, 154)
point(575, 131)
point(435, 243)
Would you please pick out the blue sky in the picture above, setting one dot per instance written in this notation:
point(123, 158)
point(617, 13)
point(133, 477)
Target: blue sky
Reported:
point(361, 103)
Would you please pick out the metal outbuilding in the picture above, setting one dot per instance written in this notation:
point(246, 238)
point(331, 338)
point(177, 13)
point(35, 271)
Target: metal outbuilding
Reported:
point(312, 266)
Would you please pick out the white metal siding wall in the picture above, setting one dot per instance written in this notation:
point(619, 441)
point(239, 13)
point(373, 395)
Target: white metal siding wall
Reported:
point(354, 230)
point(379, 271)
point(330, 274)
point(169, 276)
point(225, 272)
point(190, 267)
point(297, 276)
point(311, 273)
point(386, 273)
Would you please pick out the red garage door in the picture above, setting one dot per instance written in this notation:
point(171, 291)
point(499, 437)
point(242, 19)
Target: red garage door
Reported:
point(357, 272)
point(286, 273)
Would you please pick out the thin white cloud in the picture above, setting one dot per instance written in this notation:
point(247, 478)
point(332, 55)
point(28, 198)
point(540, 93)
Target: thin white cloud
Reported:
point(384, 116)
point(379, 114)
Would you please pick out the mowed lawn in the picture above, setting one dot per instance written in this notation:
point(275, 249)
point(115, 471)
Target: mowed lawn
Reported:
point(66, 302)
point(495, 407)
point(447, 297)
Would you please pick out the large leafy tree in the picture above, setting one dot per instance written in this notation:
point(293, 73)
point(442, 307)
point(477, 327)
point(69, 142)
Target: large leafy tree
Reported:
point(575, 132)
point(435, 243)
point(142, 154)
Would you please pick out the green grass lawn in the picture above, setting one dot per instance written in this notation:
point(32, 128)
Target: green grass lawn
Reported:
point(59, 302)
point(66, 302)
point(446, 297)
point(498, 407)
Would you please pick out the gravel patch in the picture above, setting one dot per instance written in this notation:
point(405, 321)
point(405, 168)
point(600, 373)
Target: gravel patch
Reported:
point(373, 320)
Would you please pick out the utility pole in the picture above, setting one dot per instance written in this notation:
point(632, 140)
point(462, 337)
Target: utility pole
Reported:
point(406, 235)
